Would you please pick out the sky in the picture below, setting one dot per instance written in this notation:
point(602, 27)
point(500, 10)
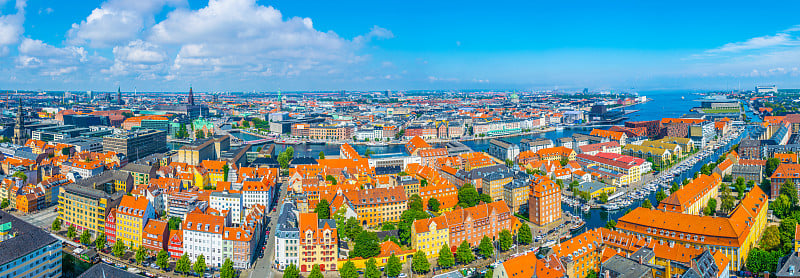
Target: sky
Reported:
point(290, 45)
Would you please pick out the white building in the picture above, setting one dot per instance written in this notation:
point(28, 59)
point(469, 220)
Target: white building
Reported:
point(202, 235)
point(256, 192)
point(287, 236)
point(232, 202)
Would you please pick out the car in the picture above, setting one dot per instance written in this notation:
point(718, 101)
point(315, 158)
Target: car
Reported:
point(402, 275)
point(155, 266)
point(133, 261)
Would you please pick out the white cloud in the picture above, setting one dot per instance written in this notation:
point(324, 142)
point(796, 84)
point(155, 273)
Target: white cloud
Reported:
point(140, 52)
point(241, 36)
point(780, 39)
point(11, 28)
point(117, 21)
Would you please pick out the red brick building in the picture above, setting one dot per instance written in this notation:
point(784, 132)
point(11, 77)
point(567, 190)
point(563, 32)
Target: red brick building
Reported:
point(472, 224)
point(544, 201)
point(155, 235)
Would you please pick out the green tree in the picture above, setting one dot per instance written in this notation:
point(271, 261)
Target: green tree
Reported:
point(86, 237)
point(660, 195)
point(446, 259)
point(787, 229)
point(162, 260)
point(675, 187)
point(415, 202)
point(315, 272)
point(788, 189)
point(464, 253)
point(563, 162)
point(291, 271)
point(489, 273)
point(433, 204)
point(182, 132)
point(140, 256)
point(225, 170)
point(4, 204)
point(283, 160)
point(486, 198)
point(348, 270)
point(366, 245)
point(603, 198)
point(781, 207)
point(509, 163)
point(199, 265)
point(371, 270)
point(772, 164)
point(199, 134)
point(646, 204)
point(393, 266)
point(100, 241)
point(56, 226)
point(759, 261)
point(65, 151)
point(505, 240)
point(20, 175)
point(183, 265)
point(766, 186)
point(352, 228)
point(485, 248)
point(71, 233)
point(388, 226)
point(419, 263)
point(321, 155)
point(323, 209)
point(227, 270)
point(468, 196)
point(712, 206)
point(610, 224)
point(423, 183)
point(331, 179)
point(524, 235)
point(118, 249)
point(174, 223)
point(771, 239)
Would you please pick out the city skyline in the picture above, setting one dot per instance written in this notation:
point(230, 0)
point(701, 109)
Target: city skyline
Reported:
point(245, 45)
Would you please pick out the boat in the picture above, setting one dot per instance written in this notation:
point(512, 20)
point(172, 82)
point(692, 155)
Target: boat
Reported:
point(315, 143)
point(577, 226)
point(586, 208)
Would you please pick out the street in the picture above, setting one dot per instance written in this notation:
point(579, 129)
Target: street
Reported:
point(262, 267)
point(42, 218)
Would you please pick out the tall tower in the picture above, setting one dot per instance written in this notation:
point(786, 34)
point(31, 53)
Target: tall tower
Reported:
point(191, 96)
point(280, 101)
point(19, 128)
point(119, 96)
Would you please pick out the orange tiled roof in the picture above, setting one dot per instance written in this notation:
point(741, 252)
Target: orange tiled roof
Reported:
point(615, 135)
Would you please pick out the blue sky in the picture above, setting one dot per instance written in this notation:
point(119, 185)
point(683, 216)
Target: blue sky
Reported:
point(235, 45)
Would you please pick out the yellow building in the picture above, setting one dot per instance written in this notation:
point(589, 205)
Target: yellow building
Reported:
point(428, 235)
point(734, 235)
point(583, 251)
point(388, 248)
point(85, 208)
point(215, 170)
point(132, 216)
point(797, 238)
point(515, 194)
point(495, 181)
point(595, 189)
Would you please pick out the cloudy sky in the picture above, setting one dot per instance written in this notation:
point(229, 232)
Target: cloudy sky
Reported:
point(244, 45)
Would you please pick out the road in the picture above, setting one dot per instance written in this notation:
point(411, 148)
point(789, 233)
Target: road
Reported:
point(262, 267)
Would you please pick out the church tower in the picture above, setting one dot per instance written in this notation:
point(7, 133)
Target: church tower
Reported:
point(119, 96)
point(19, 128)
point(191, 96)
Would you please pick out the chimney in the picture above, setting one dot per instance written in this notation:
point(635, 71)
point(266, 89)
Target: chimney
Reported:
point(640, 260)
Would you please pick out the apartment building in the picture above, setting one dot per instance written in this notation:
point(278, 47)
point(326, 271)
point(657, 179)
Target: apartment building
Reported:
point(155, 236)
point(86, 208)
point(203, 235)
point(615, 168)
point(319, 243)
point(132, 215)
point(544, 201)
point(136, 144)
point(225, 201)
point(464, 224)
point(28, 251)
point(287, 237)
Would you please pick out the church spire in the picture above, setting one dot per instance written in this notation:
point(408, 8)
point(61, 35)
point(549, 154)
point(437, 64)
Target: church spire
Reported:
point(191, 96)
point(119, 96)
